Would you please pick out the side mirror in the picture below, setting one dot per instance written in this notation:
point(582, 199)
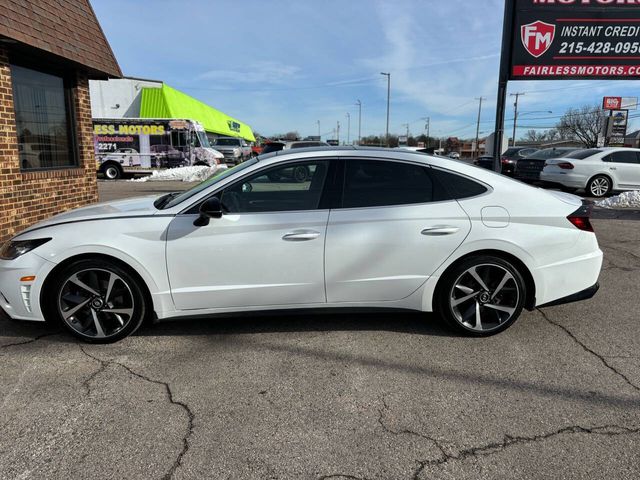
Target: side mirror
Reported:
point(211, 208)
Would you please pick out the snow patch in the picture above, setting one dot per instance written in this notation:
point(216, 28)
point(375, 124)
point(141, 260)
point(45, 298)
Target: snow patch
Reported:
point(182, 174)
point(624, 200)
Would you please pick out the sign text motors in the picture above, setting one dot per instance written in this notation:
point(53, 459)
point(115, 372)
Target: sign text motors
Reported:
point(575, 39)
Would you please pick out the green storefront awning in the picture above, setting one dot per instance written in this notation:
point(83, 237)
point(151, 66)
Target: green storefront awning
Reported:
point(167, 102)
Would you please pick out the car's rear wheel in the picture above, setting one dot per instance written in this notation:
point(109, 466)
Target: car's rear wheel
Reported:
point(97, 301)
point(599, 186)
point(481, 296)
point(112, 171)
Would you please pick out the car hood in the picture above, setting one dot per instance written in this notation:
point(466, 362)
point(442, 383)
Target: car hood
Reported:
point(132, 207)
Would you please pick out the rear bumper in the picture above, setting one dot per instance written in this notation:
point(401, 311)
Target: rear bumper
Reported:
point(565, 179)
point(585, 294)
point(569, 278)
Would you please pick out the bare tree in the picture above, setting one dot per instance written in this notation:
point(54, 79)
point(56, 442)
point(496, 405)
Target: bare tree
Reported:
point(583, 124)
point(535, 136)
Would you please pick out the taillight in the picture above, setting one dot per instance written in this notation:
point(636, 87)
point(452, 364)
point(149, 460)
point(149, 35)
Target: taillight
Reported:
point(581, 218)
point(566, 166)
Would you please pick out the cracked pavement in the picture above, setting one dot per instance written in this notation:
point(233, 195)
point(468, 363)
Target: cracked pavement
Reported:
point(367, 397)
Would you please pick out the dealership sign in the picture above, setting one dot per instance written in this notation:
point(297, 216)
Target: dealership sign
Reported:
point(575, 39)
point(620, 103)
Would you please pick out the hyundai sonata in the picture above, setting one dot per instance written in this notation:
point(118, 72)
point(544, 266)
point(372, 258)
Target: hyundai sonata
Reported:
point(366, 228)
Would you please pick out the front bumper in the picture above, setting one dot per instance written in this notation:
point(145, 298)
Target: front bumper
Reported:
point(21, 300)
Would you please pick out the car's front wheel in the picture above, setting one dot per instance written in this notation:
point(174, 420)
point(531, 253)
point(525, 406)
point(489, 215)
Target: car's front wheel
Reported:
point(481, 296)
point(96, 301)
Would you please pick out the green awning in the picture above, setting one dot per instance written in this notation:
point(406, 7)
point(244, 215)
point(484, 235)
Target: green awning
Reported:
point(167, 102)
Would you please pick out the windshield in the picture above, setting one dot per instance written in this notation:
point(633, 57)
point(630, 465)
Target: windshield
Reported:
point(227, 142)
point(582, 154)
point(204, 141)
point(207, 183)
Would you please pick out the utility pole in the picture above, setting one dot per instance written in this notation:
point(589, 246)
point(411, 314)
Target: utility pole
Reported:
point(338, 134)
point(388, 75)
point(515, 115)
point(348, 127)
point(427, 127)
point(407, 127)
point(477, 146)
point(359, 104)
point(319, 134)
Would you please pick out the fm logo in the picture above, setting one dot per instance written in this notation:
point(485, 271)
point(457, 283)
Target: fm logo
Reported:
point(537, 37)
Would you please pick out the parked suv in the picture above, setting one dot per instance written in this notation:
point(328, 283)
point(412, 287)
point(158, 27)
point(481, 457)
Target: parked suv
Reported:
point(528, 169)
point(598, 171)
point(235, 150)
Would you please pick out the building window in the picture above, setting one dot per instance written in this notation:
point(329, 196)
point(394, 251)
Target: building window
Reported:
point(43, 120)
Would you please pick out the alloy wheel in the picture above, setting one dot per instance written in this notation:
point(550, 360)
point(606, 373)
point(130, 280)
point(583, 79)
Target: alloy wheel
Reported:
point(599, 187)
point(96, 303)
point(484, 297)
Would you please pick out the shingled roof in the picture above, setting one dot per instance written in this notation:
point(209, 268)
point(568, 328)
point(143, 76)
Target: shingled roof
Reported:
point(67, 28)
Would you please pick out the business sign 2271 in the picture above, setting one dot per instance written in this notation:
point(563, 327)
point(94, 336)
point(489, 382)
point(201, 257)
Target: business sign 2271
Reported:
point(581, 39)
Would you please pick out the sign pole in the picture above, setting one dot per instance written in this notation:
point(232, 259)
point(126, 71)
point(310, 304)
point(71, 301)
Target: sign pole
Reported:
point(505, 63)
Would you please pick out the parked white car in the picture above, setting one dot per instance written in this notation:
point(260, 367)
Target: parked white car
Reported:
point(368, 228)
point(598, 171)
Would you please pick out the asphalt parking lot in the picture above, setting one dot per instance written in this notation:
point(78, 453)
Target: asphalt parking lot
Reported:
point(349, 396)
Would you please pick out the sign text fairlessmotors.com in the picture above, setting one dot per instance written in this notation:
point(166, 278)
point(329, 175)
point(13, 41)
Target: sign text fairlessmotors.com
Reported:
point(575, 39)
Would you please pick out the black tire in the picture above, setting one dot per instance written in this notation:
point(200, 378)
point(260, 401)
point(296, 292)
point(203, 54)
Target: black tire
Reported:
point(57, 290)
point(301, 173)
point(599, 186)
point(111, 171)
point(445, 293)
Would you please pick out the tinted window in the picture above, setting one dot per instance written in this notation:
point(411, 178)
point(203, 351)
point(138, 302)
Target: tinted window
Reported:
point(279, 189)
point(457, 186)
point(375, 183)
point(44, 131)
point(227, 142)
point(582, 154)
point(272, 147)
point(622, 157)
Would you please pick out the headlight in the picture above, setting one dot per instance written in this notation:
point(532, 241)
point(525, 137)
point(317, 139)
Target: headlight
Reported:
point(16, 248)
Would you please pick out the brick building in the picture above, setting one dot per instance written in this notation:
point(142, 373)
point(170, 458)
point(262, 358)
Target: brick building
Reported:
point(48, 52)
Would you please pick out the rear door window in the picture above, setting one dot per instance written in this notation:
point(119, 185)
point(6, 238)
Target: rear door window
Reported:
point(379, 183)
point(623, 157)
point(582, 154)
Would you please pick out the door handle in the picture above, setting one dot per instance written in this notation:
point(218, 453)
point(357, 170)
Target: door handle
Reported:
point(440, 231)
point(301, 236)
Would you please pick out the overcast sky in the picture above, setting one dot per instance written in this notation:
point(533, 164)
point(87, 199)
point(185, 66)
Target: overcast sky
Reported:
point(282, 65)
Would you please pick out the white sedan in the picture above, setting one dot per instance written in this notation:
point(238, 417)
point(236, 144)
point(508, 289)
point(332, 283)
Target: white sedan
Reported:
point(598, 171)
point(368, 228)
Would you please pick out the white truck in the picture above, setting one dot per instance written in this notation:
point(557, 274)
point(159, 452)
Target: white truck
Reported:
point(235, 150)
point(142, 145)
